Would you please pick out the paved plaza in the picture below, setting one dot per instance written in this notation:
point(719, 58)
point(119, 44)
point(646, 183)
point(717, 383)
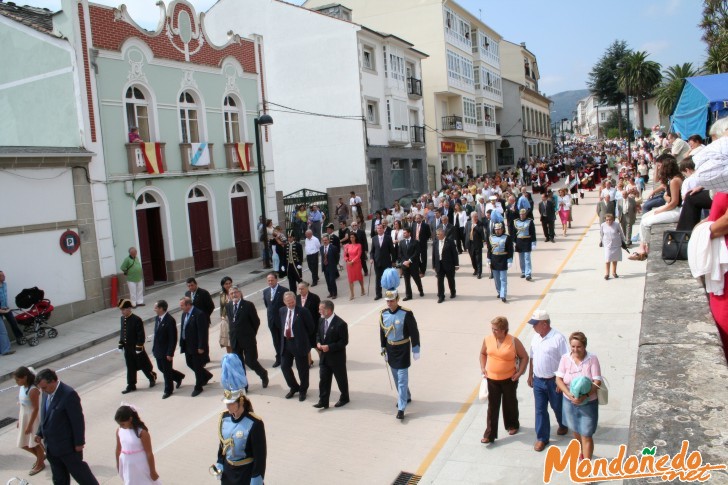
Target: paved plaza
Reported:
point(363, 443)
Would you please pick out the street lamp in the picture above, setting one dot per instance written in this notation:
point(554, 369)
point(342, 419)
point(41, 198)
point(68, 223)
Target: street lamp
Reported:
point(263, 120)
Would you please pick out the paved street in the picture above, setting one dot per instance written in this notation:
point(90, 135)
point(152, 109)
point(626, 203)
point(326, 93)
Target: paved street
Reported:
point(362, 442)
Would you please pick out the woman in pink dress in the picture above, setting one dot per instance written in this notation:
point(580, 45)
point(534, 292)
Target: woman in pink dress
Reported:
point(352, 257)
point(564, 209)
point(134, 455)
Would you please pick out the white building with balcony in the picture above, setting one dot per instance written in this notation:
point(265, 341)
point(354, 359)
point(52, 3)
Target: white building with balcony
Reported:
point(391, 82)
point(526, 118)
point(462, 86)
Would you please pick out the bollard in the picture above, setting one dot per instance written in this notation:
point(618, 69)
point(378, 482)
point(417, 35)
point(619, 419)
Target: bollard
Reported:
point(114, 291)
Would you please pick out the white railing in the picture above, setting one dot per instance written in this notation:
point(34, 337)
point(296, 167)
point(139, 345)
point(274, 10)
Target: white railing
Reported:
point(458, 40)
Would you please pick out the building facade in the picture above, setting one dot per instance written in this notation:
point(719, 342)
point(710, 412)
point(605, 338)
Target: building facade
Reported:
point(462, 87)
point(519, 66)
point(48, 231)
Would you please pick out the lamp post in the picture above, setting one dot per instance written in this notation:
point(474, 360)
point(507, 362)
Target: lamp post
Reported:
point(629, 133)
point(263, 120)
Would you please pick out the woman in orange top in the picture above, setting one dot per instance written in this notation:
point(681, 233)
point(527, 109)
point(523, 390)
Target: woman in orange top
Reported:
point(503, 360)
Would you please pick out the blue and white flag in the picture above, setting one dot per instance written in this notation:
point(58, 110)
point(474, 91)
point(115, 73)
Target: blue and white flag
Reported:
point(200, 155)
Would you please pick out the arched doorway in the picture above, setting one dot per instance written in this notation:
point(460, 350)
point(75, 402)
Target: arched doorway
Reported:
point(241, 222)
point(199, 216)
point(151, 239)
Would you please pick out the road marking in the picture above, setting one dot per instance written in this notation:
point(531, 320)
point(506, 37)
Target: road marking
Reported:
point(445, 436)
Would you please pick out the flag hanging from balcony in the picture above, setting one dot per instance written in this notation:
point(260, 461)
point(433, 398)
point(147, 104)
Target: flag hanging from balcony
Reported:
point(242, 150)
point(200, 155)
point(152, 153)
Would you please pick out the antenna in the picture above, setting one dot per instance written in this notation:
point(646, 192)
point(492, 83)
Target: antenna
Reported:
point(480, 14)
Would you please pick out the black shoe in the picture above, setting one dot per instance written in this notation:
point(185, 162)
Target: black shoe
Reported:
point(302, 397)
point(490, 277)
point(441, 299)
point(400, 414)
point(179, 382)
point(320, 405)
point(196, 392)
point(153, 380)
point(314, 283)
point(504, 300)
point(166, 395)
point(209, 378)
point(265, 381)
point(422, 293)
point(452, 295)
point(553, 241)
point(291, 393)
point(523, 276)
point(128, 390)
point(340, 403)
point(547, 240)
point(480, 276)
point(528, 278)
point(406, 298)
point(277, 363)
point(378, 297)
point(475, 273)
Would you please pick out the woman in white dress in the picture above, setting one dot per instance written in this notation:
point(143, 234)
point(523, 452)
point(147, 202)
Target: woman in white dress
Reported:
point(29, 418)
point(611, 238)
point(134, 455)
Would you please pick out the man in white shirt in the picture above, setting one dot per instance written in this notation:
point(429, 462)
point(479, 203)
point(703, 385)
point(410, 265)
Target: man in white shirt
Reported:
point(312, 247)
point(547, 347)
point(354, 203)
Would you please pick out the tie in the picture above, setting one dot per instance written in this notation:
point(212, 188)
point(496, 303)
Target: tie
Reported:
point(417, 233)
point(472, 228)
point(186, 317)
point(326, 259)
point(288, 333)
point(235, 309)
point(48, 402)
point(157, 324)
point(326, 327)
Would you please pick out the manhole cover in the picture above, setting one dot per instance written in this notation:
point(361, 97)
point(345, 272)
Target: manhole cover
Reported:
point(6, 421)
point(405, 478)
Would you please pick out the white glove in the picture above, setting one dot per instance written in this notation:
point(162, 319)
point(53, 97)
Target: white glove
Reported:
point(283, 268)
point(299, 266)
point(510, 263)
point(488, 261)
point(416, 356)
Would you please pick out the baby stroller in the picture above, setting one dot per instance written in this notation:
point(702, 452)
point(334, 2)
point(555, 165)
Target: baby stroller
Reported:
point(33, 313)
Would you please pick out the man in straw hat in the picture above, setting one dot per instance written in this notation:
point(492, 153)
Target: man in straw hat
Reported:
point(398, 333)
point(241, 455)
point(131, 341)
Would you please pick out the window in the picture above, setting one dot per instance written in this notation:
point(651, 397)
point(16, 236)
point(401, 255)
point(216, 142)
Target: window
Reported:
point(389, 115)
point(396, 66)
point(602, 116)
point(367, 57)
point(137, 112)
point(397, 174)
point(231, 115)
point(188, 117)
point(469, 111)
point(457, 28)
point(372, 112)
point(459, 68)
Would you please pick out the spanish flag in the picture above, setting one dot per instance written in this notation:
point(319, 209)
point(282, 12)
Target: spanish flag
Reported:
point(153, 157)
point(244, 158)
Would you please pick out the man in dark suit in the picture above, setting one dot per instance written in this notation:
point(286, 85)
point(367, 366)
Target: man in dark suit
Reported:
point(409, 257)
point(244, 325)
point(193, 341)
point(376, 221)
point(309, 301)
point(445, 262)
point(548, 217)
point(450, 231)
point(201, 299)
point(361, 237)
point(382, 256)
point(165, 341)
point(474, 238)
point(131, 341)
point(273, 301)
point(297, 336)
point(332, 337)
point(329, 263)
point(62, 430)
point(421, 232)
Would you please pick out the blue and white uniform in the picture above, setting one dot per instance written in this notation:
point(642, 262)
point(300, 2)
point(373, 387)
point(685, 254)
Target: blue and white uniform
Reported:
point(242, 451)
point(398, 334)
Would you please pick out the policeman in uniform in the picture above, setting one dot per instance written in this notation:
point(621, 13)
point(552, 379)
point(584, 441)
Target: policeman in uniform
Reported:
point(398, 333)
point(525, 232)
point(241, 456)
point(294, 259)
point(131, 341)
point(500, 258)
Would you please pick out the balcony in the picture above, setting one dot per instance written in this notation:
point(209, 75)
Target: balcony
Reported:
point(417, 135)
point(414, 87)
point(187, 158)
point(452, 122)
point(487, 127)
point(462, 41)
point(399, 135)
point(135, 158)
point(232, 158)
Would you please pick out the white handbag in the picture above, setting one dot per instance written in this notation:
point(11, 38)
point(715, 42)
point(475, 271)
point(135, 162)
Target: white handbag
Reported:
point(603, 392)
point(483, 392)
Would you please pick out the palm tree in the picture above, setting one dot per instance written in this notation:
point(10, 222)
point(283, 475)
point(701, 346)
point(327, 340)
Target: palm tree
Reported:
point(672, 83)
point(717, 60)
point(602, 81)
point(639, 77)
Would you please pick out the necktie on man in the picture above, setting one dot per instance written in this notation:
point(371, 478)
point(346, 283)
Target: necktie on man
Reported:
point(326, 259)
point(326, 327)
point(235, 309)
point(288, 332)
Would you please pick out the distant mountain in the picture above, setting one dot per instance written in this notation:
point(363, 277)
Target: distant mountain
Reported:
point(565, 103)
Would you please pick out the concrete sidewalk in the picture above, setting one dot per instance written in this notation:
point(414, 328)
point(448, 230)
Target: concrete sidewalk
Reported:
point(104, 325)
point(609, 313)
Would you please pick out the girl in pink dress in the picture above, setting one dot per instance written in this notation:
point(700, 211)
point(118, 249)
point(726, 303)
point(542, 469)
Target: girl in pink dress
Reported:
point(134, 455)
point(352, 258)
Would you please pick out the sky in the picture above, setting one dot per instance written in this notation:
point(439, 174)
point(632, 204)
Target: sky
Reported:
point(567, 36)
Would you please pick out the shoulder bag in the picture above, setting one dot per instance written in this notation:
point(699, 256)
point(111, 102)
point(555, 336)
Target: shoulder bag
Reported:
point(675, 246)
point(603, 392)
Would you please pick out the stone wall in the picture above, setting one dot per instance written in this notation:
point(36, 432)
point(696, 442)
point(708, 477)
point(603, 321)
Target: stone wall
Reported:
point(681, 380)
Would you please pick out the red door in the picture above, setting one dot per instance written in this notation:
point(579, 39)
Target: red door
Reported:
point(241, 228)
point(151, 245)
point(200, 234)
